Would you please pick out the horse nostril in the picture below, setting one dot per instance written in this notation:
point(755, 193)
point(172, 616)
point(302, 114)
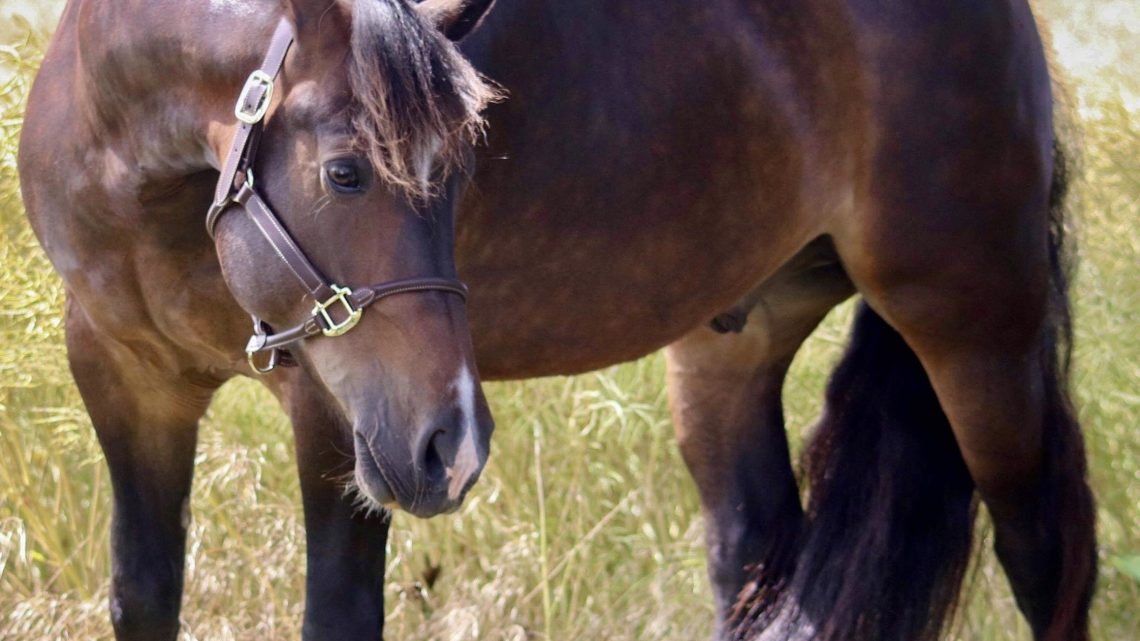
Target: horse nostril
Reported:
point(435, 457)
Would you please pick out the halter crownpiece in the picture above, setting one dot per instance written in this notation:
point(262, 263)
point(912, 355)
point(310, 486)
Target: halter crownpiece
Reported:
point(338, 309)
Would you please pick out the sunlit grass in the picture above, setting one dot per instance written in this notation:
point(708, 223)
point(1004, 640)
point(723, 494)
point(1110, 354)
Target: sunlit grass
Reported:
point(584, 525)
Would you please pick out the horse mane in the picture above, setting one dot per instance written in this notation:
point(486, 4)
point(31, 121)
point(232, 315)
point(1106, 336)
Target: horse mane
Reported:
point(418, 100)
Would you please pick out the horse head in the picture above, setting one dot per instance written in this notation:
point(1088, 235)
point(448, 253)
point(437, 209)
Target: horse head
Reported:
point(361, 159)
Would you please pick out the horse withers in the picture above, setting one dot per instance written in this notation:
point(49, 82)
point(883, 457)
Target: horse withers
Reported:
point(656, 164)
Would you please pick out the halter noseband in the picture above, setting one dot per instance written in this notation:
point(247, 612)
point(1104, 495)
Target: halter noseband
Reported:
point(236, 189)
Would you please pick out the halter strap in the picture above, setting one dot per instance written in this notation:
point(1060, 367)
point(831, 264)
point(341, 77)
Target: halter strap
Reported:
point(358, 299)
point(252, 105)
point(338, 309)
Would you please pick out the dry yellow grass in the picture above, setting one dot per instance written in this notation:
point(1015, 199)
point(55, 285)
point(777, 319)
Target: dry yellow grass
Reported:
point(584, 525)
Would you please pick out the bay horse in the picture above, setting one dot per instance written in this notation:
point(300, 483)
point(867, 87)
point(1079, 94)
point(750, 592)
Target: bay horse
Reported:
point(710, 177)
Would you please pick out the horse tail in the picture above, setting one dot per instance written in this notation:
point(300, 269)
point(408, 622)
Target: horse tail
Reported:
point(891, 507)
point(1066, 491)
point(890, 512)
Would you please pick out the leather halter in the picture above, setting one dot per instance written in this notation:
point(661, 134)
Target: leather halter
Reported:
point(236, 190)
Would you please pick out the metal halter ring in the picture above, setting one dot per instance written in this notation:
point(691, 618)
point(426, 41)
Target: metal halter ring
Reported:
point(254, 346)
point(274, 359)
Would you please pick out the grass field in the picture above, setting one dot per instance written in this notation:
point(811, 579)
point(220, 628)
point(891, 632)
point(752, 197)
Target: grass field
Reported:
point(584, 525)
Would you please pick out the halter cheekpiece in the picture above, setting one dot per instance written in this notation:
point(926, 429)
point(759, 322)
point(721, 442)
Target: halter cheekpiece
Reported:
point(338, 309)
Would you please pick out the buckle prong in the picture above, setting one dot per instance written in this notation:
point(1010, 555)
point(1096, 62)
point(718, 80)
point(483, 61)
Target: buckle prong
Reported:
point(330, 327)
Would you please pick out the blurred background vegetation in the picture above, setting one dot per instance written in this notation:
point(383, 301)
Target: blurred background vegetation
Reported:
point(585, 524)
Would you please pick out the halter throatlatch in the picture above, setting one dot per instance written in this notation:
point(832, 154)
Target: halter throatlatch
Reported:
point(338, 309)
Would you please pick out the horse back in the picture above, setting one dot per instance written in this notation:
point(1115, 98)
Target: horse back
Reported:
point(688, 150)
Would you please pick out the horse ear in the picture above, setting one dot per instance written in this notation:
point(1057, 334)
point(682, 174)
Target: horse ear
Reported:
point(307, 16)
point(455, 18)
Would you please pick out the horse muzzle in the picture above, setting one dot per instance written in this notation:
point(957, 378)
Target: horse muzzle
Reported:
point(433, 475)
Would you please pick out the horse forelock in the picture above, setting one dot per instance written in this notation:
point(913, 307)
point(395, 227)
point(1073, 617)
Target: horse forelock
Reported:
point(418, 101)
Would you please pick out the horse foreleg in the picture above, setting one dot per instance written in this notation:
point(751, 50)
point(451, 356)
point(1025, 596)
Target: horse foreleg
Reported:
point(146, 419)
point(725, 396)
point(344, 586)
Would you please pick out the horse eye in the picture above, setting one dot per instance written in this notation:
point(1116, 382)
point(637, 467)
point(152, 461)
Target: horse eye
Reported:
point(343, 176)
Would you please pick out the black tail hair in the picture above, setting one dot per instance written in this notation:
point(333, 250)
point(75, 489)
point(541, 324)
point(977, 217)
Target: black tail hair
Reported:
point(891, 509)
point(1066, 491)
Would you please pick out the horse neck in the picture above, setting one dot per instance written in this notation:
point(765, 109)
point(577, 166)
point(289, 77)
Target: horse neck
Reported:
point(159, 79)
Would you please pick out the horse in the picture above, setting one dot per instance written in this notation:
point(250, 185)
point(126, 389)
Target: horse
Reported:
point(609, 179)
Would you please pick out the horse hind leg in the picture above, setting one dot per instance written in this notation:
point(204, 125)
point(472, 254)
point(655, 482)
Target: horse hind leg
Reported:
point(990, 329)
point(725, 397)
point(887, 536)
point(146, 421)
point(1016, 431)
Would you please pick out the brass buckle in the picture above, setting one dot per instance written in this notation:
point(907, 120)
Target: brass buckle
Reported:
point(330, 327)
point(256, 79)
